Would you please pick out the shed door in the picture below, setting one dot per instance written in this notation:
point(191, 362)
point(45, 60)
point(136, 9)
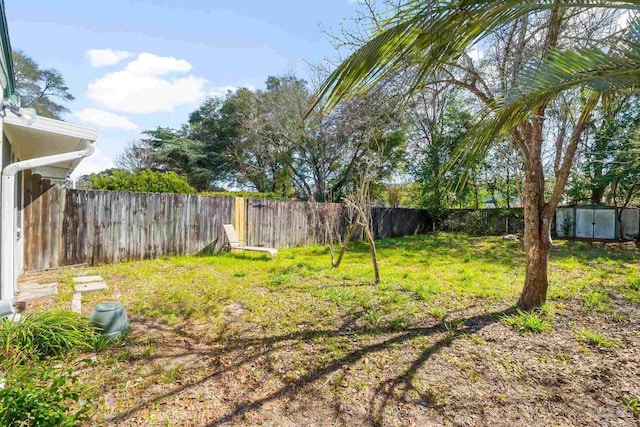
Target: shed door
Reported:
point(564, 222)
point(605, 224)
point(584, 223)
point(630, 223)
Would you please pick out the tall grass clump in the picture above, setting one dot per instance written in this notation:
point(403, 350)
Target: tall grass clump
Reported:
point(529, 322)
point(596, 339)
point(47, 334)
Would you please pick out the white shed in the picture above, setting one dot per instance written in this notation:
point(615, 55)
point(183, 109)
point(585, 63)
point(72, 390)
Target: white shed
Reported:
point(597, 222)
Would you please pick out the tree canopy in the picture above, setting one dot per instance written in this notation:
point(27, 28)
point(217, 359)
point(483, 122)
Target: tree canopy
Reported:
point(41, 88)
point(145, 181)
point(259, 139)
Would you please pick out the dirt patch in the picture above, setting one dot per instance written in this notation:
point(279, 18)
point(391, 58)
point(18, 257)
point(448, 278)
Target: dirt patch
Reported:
point(233, 311)
point(473, 370)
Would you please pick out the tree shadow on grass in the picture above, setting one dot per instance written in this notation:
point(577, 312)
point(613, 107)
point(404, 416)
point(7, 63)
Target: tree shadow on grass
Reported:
point(585, 251)
point(447, 246)
point(386, 392)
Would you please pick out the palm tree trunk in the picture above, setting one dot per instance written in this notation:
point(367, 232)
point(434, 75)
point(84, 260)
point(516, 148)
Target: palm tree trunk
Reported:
point(536, 281)
point(537, 237)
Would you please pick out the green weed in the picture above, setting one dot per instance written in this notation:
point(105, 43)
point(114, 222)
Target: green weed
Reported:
point(401, 322)
point(372, 317)
point(596, 339)
point(632, 403)
point(41, 395)
point(533, 322)
point(596, 300)
point(437, 313)
point(278, 279)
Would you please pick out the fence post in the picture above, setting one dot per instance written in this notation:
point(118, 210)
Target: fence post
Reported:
point(240, 216)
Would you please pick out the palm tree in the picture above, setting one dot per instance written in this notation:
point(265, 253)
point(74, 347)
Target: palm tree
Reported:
point(429, 36)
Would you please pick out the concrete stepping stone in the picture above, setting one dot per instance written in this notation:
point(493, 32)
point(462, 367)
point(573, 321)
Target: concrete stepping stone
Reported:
point(87, 288)
point(80, 273)
point(76, 303)
point(53, 286)
point(33, 291)
point(87, 279)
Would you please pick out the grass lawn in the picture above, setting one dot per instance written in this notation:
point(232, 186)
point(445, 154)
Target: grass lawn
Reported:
point(238, 339)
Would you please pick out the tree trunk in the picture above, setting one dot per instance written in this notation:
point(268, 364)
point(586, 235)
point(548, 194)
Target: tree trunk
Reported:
point(536, 282)
point(620, 223)
point(374, 254)
point(537, 245)
point(537, 238)
point(597, 194)
point(343, 245)
point(537, 219)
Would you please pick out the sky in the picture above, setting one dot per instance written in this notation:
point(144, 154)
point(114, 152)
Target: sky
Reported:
point(135, 65)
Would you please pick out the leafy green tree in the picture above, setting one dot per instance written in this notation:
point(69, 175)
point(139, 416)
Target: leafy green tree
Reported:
point(439, 123)
point(538, 64)
point(169, 150)
point(215, 123)
point(42, 89)
point(175, 151)
point(612, 135)
point(259, 138)
point(145, 181)
point(266, 131)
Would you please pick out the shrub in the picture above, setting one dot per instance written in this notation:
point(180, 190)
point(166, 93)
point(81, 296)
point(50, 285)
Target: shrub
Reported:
point(247, 194)
point(146, 181)
point(40, 395)
point(51, 333)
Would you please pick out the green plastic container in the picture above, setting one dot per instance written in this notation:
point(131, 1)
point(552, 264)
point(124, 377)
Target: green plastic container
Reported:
point(111, 317)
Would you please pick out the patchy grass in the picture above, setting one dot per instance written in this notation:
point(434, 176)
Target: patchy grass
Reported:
point(533, 322)
point(596, 339)
point(239, 339)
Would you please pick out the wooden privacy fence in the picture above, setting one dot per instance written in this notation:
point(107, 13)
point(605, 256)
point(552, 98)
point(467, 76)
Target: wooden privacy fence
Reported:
point(398, 222)
point(66, 227)
point(73, 227)
point(483, 221)
point(279, 224)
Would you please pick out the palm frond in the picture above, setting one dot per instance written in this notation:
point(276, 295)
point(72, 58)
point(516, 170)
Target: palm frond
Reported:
point(428, 34)
point(599, 74)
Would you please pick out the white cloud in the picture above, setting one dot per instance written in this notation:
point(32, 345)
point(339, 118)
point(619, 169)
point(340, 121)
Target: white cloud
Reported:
point(104, 57)
point(104, 119)
point(145, 85)
point(97, 162)
point(150, 64)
